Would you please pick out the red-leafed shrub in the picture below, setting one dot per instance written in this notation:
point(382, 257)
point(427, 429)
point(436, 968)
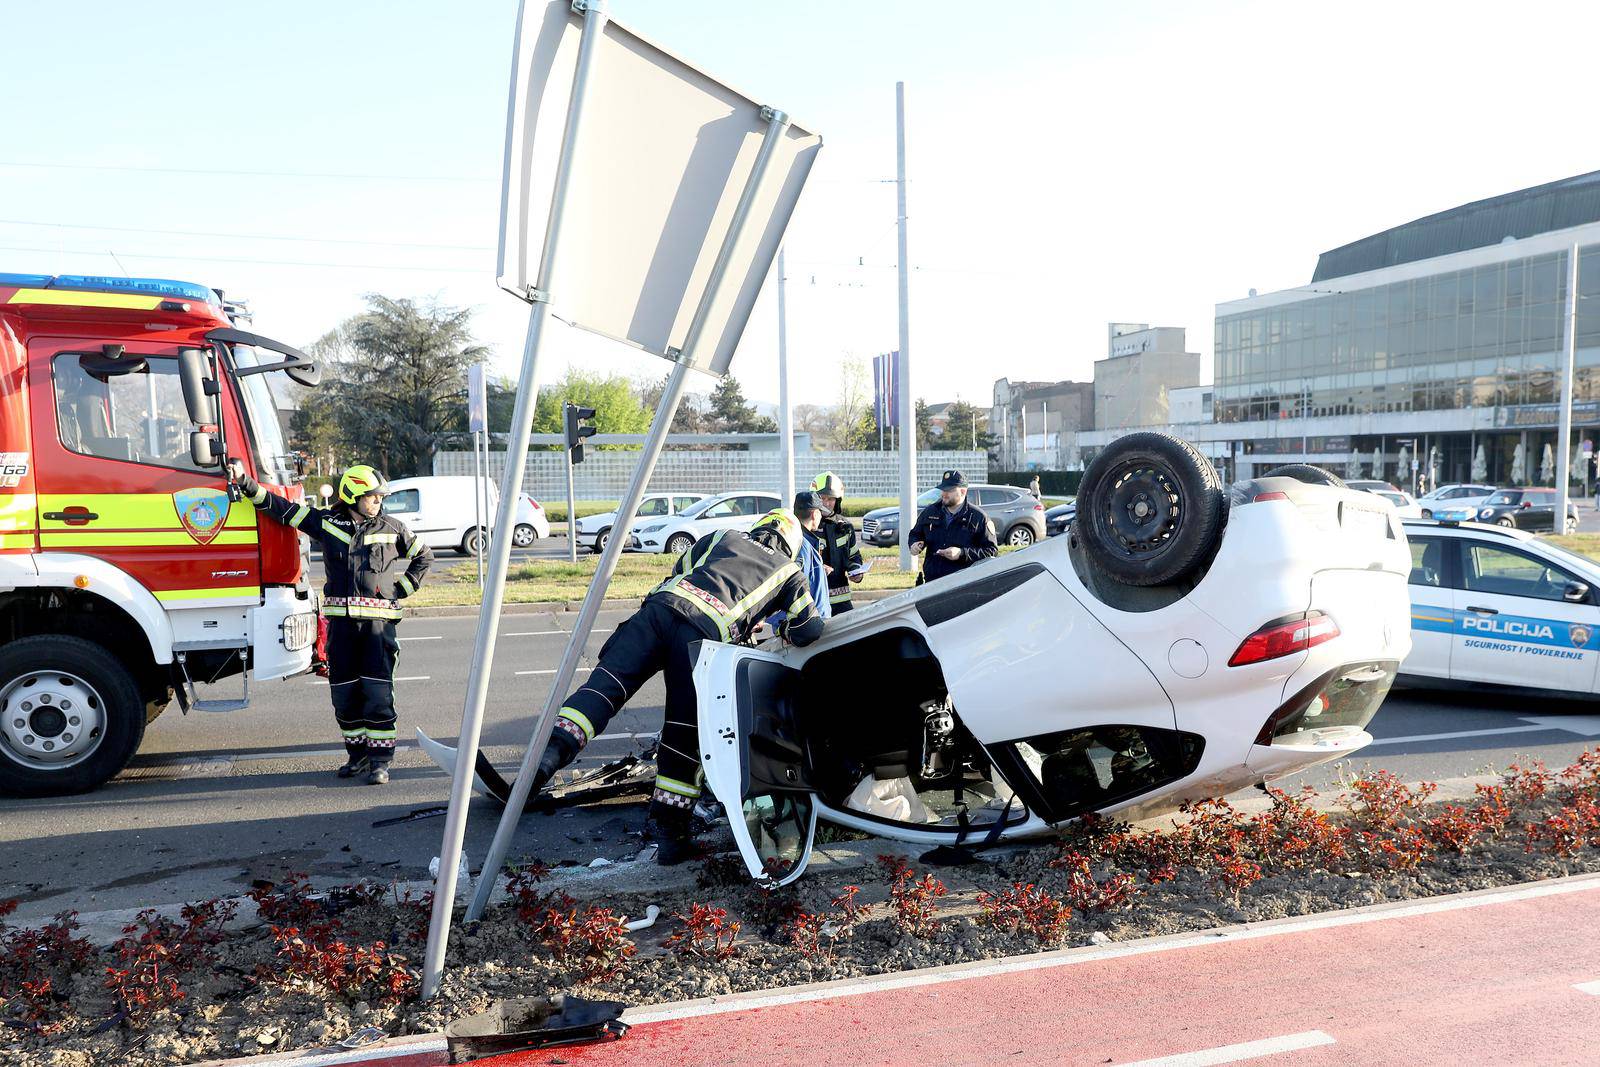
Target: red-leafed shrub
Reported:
point(155, 954)
point(912, 897)
point(1026, 909)
point(707, 934)
point(1527, 785)
point(35, 966)
point(1234, 874)
point(1381, 801)
point(1568, 831)
point(592, 940)
point(1088, 895)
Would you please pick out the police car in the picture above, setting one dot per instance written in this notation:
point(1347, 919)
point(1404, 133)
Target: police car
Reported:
point(1497, 606)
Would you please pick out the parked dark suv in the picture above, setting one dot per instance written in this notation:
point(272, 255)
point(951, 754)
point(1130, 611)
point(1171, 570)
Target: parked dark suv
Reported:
point(1526, 509)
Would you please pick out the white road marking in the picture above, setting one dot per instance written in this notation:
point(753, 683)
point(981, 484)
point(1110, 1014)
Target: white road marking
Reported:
point(1592, 988)
point(435, 637)
point(1247, 1050)
point(552, 633)
point(1068, 957)
point(1460, 733)
point(391, 1049)
point(553, 670)
point(414, 678)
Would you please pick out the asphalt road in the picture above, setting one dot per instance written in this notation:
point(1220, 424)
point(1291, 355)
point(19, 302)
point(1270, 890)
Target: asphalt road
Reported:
point(215, 801)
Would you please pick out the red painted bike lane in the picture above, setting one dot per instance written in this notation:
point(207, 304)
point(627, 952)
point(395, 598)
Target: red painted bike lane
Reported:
point(1485, 978)
point(1489, 984)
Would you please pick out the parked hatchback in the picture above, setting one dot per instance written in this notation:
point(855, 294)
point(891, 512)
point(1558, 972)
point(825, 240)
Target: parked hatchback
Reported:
point(1017, 515)
point(595, 530)
point(674, 534)
point(1523, 509)
point(1455, 495)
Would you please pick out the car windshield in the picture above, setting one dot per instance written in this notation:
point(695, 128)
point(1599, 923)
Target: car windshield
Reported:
point(1396, 499)
point(272, 455)
point(1507, 497)
point(927, 498)
point(698, 506)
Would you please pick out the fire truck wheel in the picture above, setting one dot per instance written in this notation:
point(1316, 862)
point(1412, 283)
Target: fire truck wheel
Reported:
point(71, 716)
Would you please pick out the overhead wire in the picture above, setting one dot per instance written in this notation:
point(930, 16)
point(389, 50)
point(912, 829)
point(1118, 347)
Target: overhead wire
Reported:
point(243, 236)
point(248, 173)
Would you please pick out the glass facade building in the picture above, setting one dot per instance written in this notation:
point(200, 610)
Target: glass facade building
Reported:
point(1485, 336)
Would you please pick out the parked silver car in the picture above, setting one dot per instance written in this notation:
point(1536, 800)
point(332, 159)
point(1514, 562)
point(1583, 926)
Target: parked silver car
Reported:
point(595, 530)
point(1017, 515)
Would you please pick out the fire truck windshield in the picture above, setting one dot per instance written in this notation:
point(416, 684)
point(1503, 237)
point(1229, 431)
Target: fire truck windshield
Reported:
point(273, 460)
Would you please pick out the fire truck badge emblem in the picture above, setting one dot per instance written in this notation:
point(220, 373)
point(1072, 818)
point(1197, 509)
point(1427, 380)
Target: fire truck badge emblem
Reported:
point(203, 512)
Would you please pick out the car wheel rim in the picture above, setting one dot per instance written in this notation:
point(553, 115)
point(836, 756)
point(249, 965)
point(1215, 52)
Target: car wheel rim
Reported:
point(1143, 509)
point(1020, 538)
point(524, 536)
point(604, 540)
point(51, 720)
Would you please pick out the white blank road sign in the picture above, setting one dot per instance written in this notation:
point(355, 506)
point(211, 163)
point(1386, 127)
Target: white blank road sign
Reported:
point(662, 157)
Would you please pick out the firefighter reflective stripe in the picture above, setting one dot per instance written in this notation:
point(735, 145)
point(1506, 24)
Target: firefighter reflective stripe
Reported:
point(59, 538)
point(134, 511)
point(380, 538)
point(672, 785)
point(68, 297)
point(380, 735)
point(333, 531)
point(715, 540)
point(416, 546)
point(693, 596)
point(344, 611)
point(299, 515)
point(766, 588)
point(580, 720)
point(405, 583)
point(259, 497)
point(801, 603)
point(838, 596)
point(253, 592)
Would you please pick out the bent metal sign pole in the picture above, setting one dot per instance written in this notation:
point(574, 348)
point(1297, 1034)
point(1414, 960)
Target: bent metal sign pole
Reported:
point(670, 198)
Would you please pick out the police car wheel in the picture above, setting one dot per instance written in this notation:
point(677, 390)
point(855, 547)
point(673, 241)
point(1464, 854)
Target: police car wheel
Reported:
point(73, 716)
point(1150, 509)
point(524, 535)
point(1308, 473)
point(678, 544)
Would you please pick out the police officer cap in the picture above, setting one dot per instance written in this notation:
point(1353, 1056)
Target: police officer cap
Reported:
point(952, 480)
point(809, 500)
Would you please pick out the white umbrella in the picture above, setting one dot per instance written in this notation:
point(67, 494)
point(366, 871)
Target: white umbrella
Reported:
point(1377, 464)
point(1402, 464)
point(1433, 467)
point(1575, 467)
point(1547, 466)
point(1519, 467)
point(1352, 466)
point(1480, 466)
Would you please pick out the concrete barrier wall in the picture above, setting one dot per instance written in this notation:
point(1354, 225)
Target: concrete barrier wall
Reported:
point(603, 475)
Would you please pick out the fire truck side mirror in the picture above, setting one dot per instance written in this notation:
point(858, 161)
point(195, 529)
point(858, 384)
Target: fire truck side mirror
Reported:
point(194, 371)
point(203, 449)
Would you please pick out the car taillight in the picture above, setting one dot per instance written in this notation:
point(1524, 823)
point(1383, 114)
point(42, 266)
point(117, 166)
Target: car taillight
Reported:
point(1259, 497)
point(532, 503)
point(1037, 506)
point(1283, 637)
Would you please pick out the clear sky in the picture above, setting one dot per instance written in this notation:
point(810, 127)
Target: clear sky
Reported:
point(1071, 163)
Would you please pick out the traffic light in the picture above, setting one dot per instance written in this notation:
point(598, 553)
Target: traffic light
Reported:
point(576, 431)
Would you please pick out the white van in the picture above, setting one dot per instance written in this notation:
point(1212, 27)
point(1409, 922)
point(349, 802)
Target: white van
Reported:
point(440, 509)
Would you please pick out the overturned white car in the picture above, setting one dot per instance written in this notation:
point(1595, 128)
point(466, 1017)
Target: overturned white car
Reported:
point(1183, 642)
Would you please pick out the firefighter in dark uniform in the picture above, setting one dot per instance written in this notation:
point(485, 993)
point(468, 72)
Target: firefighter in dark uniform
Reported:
point(835, 541)
point(952, 530)
point(373, 562)
point(719, 590)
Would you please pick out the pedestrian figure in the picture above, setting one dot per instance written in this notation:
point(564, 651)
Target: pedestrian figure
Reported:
point(953, 531)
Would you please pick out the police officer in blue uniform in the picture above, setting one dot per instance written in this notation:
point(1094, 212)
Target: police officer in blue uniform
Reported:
point(954, 532)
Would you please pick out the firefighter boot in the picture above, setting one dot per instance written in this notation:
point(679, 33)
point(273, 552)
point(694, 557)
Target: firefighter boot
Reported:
point(668, 829)
point(561, 751)
point(354, 764)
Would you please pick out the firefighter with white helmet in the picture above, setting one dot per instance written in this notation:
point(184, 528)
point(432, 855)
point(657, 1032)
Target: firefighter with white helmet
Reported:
point(372, 562)
point(720, 589)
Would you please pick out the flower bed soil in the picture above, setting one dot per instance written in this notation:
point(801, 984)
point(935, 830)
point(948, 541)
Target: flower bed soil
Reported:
point(312, 970)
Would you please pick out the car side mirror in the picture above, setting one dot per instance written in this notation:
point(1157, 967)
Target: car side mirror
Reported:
point(203, 450)
point(194, 375)
point(1526, 504)
point(1576, 592)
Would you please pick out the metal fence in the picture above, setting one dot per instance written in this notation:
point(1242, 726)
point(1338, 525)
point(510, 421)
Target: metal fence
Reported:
point(604, 475)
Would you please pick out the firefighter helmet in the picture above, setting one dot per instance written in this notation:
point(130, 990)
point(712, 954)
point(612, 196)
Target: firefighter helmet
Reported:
point(360, 480)
point(829, 484)
point(782, 523)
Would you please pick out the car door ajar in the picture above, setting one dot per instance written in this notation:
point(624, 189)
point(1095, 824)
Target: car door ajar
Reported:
point(1515, 623)
point(1433, 626)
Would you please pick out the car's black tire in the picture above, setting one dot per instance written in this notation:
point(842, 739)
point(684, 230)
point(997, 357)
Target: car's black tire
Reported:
point(1308, 473)
point(1019, 536)
point(601, 540)
point(678, 544)
point(1150, 509)
point(469, 543)
point(56, 664)
point(1507, 521)
point(524, 535)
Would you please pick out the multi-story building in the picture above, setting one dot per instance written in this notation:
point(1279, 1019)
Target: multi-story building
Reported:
point(1142, 365)
point(1036, 424)
point(1439, 342)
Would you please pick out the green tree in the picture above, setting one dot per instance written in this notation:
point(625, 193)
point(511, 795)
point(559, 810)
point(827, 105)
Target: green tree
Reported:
point(394, 385)
point(961, 433)
point(617, 408)
point(730, 412)
point(924, 426)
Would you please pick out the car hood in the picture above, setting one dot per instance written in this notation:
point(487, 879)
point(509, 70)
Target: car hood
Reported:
point(594, 522)
point(882, 513)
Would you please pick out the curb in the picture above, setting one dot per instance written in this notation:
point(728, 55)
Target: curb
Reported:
point(561, 607)
point(428, 1050)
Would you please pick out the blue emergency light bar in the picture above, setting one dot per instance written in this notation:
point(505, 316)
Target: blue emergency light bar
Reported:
point(96, 283)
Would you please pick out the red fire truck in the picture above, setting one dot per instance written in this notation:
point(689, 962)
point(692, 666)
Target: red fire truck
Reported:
point(129, 571)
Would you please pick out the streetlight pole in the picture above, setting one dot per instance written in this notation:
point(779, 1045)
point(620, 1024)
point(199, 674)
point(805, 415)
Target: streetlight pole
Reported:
point(1558, 523)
